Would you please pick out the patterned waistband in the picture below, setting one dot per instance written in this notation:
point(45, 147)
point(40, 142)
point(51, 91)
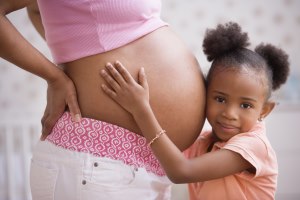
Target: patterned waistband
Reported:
point(105, 140)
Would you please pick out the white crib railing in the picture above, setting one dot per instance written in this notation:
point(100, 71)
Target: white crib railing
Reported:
point(17, 139)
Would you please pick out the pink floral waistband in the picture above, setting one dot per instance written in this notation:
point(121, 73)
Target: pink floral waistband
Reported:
point(105, 140)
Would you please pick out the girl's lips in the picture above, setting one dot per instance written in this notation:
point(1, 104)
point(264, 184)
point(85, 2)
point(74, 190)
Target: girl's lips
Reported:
point(227, 128)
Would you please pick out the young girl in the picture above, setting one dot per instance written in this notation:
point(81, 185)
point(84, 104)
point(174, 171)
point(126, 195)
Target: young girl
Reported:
point(235, 160)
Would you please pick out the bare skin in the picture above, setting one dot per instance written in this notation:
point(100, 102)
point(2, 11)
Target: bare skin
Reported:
point(162, 54)
point(174, 102)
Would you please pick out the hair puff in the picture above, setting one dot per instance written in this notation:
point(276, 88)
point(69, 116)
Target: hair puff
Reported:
point(278, 62)
point(223, 39)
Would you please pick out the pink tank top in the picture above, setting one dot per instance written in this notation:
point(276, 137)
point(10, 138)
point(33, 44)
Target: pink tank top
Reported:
point(80, 28)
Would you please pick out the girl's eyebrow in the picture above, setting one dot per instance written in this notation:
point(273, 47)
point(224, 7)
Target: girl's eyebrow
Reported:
point(219, 92)
point(248, 99)
point(243, 98)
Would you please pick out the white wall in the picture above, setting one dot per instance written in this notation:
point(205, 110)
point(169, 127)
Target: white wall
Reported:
point(283, 131)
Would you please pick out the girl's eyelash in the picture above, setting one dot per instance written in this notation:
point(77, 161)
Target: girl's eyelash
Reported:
point(247, 104)
point(219, 99)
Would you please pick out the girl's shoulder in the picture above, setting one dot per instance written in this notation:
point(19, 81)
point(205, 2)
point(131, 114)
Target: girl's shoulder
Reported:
point(200, 146)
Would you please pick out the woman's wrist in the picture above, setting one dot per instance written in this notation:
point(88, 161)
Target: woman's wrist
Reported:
point(55, 75)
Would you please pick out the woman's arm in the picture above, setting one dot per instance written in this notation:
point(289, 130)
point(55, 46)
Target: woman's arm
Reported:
point(134, 97)
point(15, 49)
point(35, 17)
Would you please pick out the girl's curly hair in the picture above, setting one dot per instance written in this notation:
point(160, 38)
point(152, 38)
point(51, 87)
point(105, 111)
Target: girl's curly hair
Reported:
point(277, 60)
point(223, 39)
point(227, 46)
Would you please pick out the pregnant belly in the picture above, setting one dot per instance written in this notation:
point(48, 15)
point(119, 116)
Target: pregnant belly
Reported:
point(177, 93)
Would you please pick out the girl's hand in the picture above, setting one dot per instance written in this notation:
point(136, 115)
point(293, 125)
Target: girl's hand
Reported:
point(61, 94)
point(131, 95)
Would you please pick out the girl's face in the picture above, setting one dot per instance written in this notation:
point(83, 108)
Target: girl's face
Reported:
point(235, 101)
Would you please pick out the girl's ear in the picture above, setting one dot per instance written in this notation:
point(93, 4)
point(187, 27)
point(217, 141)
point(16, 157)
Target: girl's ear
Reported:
point(268, 107)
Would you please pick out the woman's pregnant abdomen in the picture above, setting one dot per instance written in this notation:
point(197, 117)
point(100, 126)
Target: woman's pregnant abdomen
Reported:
point(177, 92)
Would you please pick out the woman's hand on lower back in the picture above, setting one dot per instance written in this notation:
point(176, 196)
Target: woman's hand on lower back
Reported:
point(61, 93)
point(133, 96)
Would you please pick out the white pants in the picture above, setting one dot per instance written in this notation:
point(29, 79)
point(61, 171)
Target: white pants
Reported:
point(61, 174)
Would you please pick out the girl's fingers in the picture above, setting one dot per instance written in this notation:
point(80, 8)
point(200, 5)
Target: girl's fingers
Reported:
point(143, 79)
point(115, 74)
point(111, 82)
point(108, 91)
point(124, 72)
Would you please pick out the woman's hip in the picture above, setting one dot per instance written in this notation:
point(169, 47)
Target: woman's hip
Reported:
point(58, 173)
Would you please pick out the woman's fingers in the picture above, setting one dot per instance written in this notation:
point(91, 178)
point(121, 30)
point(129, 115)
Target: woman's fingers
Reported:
point(74, 107)
point(54, 111)
point(48, 122)
point(44, 130)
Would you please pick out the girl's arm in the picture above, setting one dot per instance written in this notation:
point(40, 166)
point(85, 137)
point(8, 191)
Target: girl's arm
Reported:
point(134, 97)
point(15, 49)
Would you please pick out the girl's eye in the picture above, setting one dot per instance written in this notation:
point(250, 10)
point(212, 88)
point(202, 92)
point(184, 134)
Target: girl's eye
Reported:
point(246, 106)
point(220, 99)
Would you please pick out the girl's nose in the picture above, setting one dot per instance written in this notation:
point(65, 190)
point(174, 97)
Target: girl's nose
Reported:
point(230, 113)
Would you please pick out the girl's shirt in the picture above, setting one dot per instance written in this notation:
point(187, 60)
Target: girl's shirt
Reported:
point(252, 146)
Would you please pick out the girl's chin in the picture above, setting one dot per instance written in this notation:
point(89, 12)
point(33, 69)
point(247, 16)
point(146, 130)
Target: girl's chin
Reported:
point(222, 137)
point(216, 137)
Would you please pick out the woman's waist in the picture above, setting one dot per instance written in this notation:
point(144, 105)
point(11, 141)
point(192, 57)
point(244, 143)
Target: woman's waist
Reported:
point(103, 139)
point(91, 134)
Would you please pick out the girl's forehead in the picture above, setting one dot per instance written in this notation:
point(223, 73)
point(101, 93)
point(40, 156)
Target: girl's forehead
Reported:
point(242, 81)
point(239, 73)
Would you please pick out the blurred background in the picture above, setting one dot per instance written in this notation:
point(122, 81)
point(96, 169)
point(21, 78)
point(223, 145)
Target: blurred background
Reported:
point(23, 96)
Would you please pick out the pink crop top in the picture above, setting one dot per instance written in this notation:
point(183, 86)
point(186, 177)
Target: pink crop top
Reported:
point(80, 28)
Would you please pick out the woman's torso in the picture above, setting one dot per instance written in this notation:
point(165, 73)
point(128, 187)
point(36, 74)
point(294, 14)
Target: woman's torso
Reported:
point(177, 92)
